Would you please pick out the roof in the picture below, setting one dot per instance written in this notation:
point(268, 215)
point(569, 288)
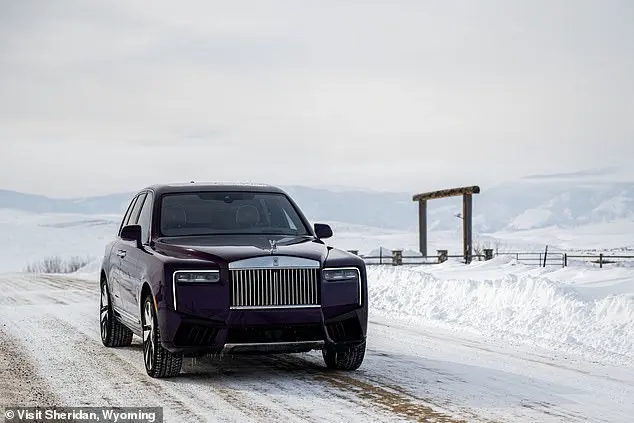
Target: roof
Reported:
point(213, 186)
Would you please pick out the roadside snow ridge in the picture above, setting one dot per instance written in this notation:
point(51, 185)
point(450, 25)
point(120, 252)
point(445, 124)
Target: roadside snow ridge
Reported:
point(520, 308)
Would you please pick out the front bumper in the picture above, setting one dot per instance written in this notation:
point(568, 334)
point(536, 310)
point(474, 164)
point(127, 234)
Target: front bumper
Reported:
point(233, 315)
point(263, 331)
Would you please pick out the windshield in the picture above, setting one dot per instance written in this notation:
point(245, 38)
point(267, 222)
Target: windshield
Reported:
point(214, 213)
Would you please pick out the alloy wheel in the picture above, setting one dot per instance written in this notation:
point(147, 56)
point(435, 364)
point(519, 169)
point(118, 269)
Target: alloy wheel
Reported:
point(104, 312)
point(148, 336)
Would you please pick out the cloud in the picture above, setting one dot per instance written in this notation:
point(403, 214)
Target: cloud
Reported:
point(402, 95)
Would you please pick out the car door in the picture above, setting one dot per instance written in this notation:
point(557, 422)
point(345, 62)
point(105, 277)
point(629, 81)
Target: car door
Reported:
point(136, 259)
point(114, 272)
point(128, 253)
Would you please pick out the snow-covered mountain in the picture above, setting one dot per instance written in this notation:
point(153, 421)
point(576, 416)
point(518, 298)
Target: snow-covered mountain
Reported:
point(527, 204)
point(536, 204)
point(106, 204)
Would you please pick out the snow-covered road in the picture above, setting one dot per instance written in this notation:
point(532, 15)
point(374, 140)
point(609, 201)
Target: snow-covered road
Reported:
point(51, 353)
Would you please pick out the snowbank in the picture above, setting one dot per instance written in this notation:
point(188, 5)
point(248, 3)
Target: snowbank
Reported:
point(588, 313)
point(89, 271)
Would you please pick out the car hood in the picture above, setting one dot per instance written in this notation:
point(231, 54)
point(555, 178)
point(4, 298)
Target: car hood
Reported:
point(229, 248)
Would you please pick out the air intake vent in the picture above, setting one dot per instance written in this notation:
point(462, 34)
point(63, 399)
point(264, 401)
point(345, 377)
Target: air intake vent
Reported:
point(274, 288)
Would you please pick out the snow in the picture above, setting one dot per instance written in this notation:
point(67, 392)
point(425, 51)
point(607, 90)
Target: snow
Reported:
point(574, 311)
point(532, 218)
point(607, 235)
point(31, 237)
point(90, 271)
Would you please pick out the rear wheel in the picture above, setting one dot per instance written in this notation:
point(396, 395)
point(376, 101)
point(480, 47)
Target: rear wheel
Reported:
point(113, 332)
point(348, 360)
point(159, 362)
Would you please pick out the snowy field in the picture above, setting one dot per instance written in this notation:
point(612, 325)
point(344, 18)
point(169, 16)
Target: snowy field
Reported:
point(30, 237)
point(491, 341)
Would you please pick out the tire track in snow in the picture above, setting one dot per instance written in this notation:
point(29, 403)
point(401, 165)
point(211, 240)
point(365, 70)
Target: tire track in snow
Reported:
point(20, 384)
point(103, 376)
point(392, 398)
point(197, 396)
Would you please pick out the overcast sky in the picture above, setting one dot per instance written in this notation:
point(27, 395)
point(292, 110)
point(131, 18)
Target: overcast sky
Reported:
point(108, 96)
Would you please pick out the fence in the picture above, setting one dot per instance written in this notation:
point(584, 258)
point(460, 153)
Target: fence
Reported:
point(397, 258)
point(543, 259)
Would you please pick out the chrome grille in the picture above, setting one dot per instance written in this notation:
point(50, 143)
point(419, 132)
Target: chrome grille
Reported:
point(274, 288)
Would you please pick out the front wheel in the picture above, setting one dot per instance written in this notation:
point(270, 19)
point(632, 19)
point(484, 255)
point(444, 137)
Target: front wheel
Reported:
point(159, 362)
point(348, 360)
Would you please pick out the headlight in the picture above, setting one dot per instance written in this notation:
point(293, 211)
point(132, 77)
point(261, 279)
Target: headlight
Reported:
point(200, 276)
point(343, 274)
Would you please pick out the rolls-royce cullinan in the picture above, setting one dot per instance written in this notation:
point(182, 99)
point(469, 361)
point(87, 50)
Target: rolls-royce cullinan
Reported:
point(199, 269)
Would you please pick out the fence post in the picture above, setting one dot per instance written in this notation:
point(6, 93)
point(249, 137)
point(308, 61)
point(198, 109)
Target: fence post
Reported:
point(565, 259)
point(397, 257)
point(442, 256)
point(601, 260)
point(488, 254)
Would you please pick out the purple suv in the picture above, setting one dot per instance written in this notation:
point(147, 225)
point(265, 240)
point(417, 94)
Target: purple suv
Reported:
point(202, 269)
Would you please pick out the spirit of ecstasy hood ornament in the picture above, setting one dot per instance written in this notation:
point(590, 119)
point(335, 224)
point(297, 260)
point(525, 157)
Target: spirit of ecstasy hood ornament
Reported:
point(273, 246)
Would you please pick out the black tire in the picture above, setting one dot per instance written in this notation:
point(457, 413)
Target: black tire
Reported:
point(113, 332)
point(159, 362)
point(349, 360)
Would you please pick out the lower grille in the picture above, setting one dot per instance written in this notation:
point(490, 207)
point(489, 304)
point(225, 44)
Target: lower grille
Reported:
point(268, 334)
point(344, 330)
point(274, 288)
point(192, 335)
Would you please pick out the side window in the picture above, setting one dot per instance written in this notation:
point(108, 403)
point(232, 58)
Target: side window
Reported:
point(145, 218)
point(127, 213)
point(134, 216)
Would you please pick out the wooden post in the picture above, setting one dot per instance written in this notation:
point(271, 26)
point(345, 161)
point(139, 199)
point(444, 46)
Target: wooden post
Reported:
point(442, 256)
point(565, 259)
point(397, 257)
point(488, 254)
point(545, 255)
point(601, 260)
point(422, 227)
point(467, 209)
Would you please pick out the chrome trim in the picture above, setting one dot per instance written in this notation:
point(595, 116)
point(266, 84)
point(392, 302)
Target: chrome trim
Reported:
point(344, 280)
point(189, 271)
point(124, 314)
point(275, 288)
point(274, 262)
point(314, 344)
point(277, 307)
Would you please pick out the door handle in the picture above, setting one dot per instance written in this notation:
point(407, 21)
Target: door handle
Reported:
point(121, 253)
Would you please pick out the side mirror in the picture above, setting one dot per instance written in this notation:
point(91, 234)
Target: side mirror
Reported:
point(323, 230)
point(132, 233)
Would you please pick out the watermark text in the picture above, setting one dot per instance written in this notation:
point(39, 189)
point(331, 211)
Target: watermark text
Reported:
point(83, 414)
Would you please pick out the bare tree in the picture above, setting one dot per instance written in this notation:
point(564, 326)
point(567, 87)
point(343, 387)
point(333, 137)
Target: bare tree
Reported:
point(55, 264)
